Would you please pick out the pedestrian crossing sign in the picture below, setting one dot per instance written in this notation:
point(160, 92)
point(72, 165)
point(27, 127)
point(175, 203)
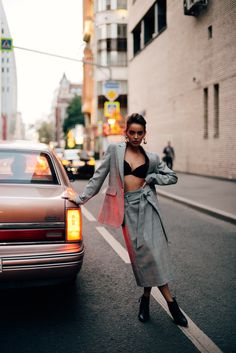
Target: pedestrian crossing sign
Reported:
point(6, 44)
point(111, 108)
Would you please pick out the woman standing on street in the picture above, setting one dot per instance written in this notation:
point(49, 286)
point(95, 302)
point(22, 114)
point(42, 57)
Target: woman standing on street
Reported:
point(131, 202)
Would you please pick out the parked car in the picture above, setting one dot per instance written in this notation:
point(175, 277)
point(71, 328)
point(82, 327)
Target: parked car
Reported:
point(79, 163)
point(40, 229)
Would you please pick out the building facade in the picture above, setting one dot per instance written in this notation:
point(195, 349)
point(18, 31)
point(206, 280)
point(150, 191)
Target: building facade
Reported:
point(62, 98)
point(182, 77)
point(88, 99)
point(107, 48)
point(8, 83)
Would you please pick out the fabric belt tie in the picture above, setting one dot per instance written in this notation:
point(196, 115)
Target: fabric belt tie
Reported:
point(145, 196)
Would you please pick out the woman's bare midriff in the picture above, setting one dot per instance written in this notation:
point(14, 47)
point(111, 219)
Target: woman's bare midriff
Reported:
point(132, 183)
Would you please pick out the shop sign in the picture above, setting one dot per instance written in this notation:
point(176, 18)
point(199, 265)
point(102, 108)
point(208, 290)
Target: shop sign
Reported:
point(111, 90)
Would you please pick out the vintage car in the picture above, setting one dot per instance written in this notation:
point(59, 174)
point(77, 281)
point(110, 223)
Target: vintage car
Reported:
point(40, 229)
point(78, 163)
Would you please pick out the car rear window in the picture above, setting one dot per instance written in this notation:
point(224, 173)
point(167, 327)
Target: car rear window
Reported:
point(26, 168)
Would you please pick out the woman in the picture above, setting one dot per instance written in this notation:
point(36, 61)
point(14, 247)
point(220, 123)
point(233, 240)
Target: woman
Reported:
point(131, 202)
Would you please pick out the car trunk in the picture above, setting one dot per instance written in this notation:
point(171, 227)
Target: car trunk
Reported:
point(30, 213)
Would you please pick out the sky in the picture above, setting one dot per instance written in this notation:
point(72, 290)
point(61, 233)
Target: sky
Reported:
point(53, 26)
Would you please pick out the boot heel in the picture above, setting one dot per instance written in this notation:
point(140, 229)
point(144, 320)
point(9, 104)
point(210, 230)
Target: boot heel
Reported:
point(177, 314)
point(143, 315)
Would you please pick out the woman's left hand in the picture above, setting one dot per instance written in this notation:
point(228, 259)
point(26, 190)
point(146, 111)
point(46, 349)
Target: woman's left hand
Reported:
point(70, 195)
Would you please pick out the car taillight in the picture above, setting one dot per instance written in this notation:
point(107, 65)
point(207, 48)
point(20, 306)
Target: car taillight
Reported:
point(65, 162)
point(73, 224)
point(91, 162)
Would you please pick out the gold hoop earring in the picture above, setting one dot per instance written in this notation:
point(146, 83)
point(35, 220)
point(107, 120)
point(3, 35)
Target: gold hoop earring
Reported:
point(144, 141)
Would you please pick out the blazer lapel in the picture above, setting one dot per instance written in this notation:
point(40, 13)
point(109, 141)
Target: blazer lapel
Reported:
point(120, 158)
point(152, 162)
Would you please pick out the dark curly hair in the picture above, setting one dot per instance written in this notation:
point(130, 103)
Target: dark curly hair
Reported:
point(135, 118)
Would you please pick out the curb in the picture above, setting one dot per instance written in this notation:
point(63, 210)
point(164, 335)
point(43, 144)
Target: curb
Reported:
point(228, 217)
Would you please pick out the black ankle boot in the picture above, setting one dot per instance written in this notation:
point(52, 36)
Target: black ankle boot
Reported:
point(178, 316)
point(144, 308)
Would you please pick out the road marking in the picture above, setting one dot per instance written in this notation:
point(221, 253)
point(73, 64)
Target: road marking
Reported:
point(200, 340)
point(88, 215)
point(114, 244)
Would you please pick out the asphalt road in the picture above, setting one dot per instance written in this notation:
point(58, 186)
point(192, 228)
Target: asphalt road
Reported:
point(99, 314)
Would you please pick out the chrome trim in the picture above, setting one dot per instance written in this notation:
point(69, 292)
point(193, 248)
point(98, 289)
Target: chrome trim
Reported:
point(32, 257)
point(54, 166)
point(38, 242)
point(41, 261)
point(39, 225)
point(45, 266)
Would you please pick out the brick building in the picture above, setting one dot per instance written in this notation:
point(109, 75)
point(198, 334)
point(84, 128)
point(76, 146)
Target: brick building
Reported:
point(182, 77)
point(61, 100)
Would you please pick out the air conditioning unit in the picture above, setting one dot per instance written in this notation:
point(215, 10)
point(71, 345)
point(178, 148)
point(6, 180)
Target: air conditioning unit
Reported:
point(194, 7)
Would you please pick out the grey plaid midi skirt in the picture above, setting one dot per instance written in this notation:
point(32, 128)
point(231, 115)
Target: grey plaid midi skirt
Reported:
point(145, 239)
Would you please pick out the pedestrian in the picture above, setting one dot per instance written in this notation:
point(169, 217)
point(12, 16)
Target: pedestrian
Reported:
point(169, 153)
point(131, 202)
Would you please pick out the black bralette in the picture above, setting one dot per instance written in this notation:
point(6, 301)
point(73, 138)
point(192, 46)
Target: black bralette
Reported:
point(139, 172)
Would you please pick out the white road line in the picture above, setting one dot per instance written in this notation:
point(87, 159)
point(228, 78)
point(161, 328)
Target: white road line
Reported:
point(114, 244)
point(88, 215)
point(200, 340)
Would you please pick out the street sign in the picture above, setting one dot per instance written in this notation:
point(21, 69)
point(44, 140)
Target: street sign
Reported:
point(6, 44)
point(111, 108)
point(111, 90)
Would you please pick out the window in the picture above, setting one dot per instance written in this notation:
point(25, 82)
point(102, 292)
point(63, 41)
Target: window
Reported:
point(102, 45)
point(119, 44)
point(205, 107)
point(2, 69)
point(216, 110)
point(153, 22)
point(115, 58)
point(102, 58)
point(122, 44)
point(26, 168)
point(149, 24)
point(111, 44)
point(137, 38)
point(121, 4)
point(161, 10)
point(209, 32)
point(122, 31)
point(103, 5)
point(108, 4)
point(2, 30)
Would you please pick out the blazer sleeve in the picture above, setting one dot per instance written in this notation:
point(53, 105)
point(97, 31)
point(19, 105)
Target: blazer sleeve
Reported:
point(95, 183)
point(162, 175)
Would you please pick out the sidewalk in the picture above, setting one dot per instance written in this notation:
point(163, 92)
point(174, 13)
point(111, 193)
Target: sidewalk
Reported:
point(215, 197)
